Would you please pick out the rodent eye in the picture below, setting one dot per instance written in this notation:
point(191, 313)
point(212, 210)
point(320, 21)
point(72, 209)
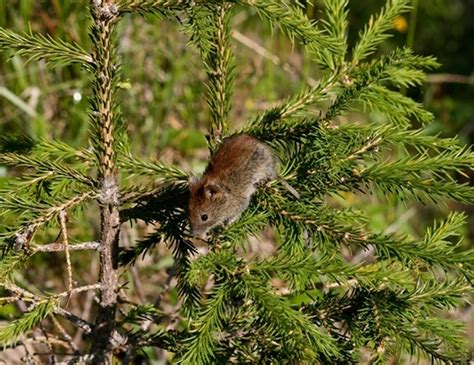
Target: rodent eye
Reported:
point(204, 217)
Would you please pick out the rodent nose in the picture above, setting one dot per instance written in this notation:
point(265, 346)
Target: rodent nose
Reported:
point(199, 233)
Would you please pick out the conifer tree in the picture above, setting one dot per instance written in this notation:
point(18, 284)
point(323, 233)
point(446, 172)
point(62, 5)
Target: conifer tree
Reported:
point(332, 310)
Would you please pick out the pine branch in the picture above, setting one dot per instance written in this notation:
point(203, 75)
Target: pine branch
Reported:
point(9, 264)
point(301, 272)
point(167, 208)
point(336, 26)
point(80, 323)
point(291, 20)
point(140, 313)
point(327, 226)
point(38, 46)
point(155, 169)
point(275, 315)
point(424, 177)
point(434, 250)
point(440, 164)
point(250, 222)
point(398, 108)
point(42, 148)
point(165, 205)
point(47, 167)
point(158, 6)
point(183, 249)
point(61, 150)
point(200, 24)
point(106, 123)
point(305, 273)
point(394, 319)
point(141, 248)
point(28, 209)
point(418, 139)
point(28, 321)
point(405, 77)
point(434, 293)
point(299, 103)
point(376, 74)
point(200, 348)
point(40, 214)
point(308, 302)
point(439, 340)
point(376, 30)
point(329, 165)
point(218, 263)
point(220, 64)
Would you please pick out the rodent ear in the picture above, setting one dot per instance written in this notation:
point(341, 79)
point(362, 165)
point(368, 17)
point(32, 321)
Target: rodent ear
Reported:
point(212, 190)
point(192, 182)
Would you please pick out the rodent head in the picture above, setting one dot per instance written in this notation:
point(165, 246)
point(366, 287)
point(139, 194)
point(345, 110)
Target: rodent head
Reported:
point(207, 206)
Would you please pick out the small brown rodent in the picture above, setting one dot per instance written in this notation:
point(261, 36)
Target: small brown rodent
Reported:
point(223, 193)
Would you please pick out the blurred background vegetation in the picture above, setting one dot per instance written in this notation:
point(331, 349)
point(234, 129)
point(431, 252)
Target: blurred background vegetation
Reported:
point(164, 105)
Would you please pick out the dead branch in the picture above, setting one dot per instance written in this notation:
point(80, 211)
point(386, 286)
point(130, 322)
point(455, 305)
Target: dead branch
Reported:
point(62, 220)
point(59, 247)
point(450, 79)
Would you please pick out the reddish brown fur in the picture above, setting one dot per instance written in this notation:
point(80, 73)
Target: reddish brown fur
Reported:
point(229, 181)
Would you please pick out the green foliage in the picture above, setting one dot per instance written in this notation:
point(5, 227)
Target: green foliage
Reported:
point(154, 169)
point(336, 25)
point(200, 348)
point(290, 19)
point(9, 265)
point(377, 29)
point(38, 46)
point(21, 326)
point(308, 299)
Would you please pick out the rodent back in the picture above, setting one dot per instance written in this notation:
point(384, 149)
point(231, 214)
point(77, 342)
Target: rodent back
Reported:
point(240, 162)
point(230, 179)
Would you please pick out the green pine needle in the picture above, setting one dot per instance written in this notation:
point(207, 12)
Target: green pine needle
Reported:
point(39, 46)
point(10, 333)
point(376, 30)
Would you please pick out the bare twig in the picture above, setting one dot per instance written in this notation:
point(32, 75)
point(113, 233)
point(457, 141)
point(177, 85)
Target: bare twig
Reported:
point(24, 236)
point(43, 339)
point(85, 326)
point(62, 220)
point(59, 247)
point(78, 289)
point(8, 300)
point(450, 79)
point(65, 335)
point(22, 294)
point(27, 296)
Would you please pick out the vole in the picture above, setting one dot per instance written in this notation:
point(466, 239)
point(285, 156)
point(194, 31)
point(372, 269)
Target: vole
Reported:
point(239, 165)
